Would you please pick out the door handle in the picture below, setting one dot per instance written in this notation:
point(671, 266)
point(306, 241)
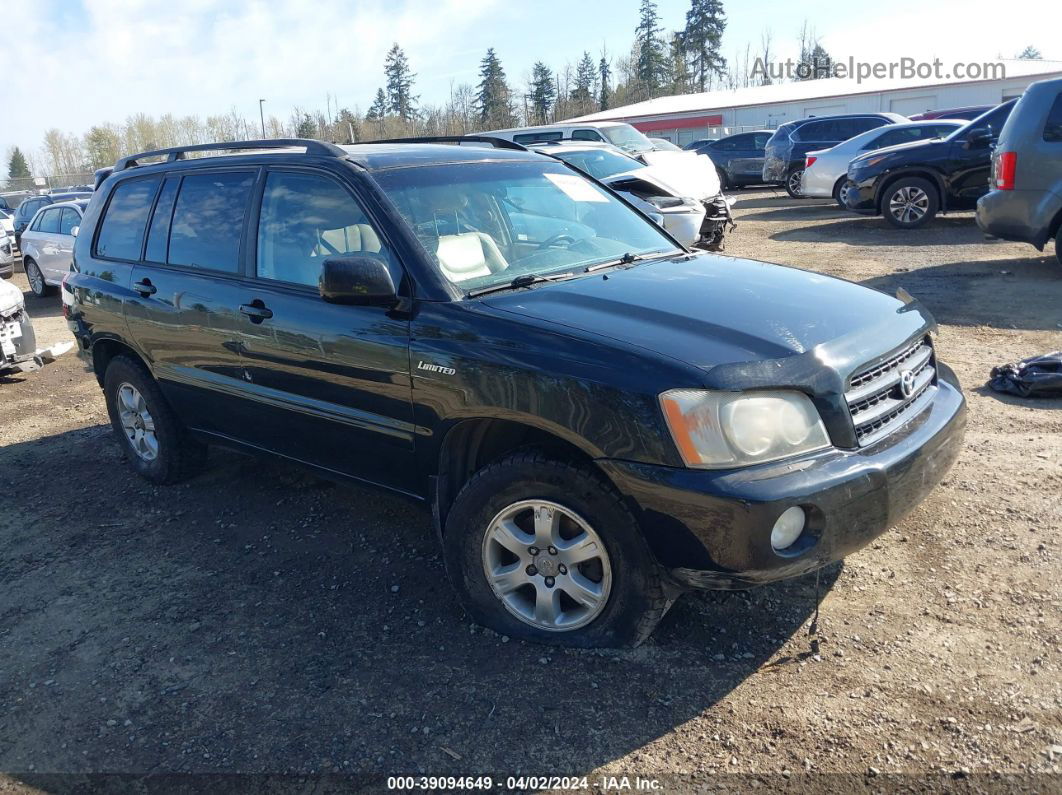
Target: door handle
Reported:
point(256, 311)
point(145, 287)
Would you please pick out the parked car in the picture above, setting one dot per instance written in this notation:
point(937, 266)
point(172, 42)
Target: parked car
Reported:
point(664, 145)
point(969, 113)
point(7, 254)
point(1025, 198)
point(826, 170)
point(694, 218)
point(698, 143)
point(910, 183)
point(784, 155)
point(738, 158)
point(617, 133)
point(28, 208)
point(597, 419)
point(7, 222)
point(48, 245)
point(18, 343)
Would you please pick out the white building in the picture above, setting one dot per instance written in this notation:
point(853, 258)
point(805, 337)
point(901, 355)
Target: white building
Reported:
point(687, 117)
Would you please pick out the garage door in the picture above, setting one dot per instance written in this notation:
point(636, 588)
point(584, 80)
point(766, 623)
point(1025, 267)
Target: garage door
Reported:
point(911, 106)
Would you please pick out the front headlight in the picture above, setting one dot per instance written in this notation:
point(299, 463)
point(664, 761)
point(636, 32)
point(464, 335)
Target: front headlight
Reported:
point(716, 430)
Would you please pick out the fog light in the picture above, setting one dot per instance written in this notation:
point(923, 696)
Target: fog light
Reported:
point(788, 528)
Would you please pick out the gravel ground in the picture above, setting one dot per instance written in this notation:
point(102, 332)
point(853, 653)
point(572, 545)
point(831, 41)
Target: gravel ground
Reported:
point(258, 620)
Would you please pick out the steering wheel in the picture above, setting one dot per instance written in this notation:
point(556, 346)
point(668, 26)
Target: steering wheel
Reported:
point(561, 238)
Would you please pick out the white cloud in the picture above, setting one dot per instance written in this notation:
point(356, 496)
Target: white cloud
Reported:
point(110, 59)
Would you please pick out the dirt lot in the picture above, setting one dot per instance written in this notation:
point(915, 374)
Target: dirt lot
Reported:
point(257, 620)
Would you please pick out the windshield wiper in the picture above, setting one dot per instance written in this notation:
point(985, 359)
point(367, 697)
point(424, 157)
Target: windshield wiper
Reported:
point(526, 280)
point(626, 259)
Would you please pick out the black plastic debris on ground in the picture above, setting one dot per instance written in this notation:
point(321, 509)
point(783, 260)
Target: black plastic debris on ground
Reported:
point(1038, 376)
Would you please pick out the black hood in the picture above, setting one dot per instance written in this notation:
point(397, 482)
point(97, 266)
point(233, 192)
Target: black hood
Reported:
point(710, 310)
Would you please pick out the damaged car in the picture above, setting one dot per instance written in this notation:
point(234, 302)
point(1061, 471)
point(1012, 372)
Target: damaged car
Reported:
point(693, 217)
point(18, 343)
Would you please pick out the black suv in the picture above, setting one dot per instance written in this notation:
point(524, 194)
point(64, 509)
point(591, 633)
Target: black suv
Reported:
point(910, 183)
point(738, 158)
point(596, 418)
point(784, 155)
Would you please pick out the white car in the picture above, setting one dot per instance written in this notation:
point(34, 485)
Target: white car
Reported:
point(48, 244)
point(7, 221)
point(672, 198)
point(826, 170)
point(18, 344)
point(7, 254)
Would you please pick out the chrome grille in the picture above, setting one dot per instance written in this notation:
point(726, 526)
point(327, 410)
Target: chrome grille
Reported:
point(876, 397)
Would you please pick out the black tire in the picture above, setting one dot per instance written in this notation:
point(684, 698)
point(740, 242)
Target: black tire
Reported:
point(1058, 250)
point(724, 183)
point(178, 455)
point(637, 599)
point(922, 202)
point(36, 279)
point(838, 193)
point(792, 183)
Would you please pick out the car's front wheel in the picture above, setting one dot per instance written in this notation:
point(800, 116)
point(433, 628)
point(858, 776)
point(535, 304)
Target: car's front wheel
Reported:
point(909, 203)
point(35, 278)
point(724, 182)
point(545, 550)
point(149, 432)
point(792, 183)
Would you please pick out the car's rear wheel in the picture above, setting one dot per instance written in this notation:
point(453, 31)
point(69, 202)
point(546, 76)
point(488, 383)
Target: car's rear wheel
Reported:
point(154, 441)
point(792, 183)
point(909, 203)
point(545, 550)
point(1058, 250)
point(840, 193)
point(35, 278)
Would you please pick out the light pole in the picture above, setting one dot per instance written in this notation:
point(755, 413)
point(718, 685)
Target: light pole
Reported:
point(261, 116)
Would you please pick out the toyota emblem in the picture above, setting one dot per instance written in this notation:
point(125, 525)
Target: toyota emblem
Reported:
point(907, 383)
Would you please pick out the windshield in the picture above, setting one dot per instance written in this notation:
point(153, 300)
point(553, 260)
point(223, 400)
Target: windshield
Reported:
point(598, 163)
point(485, 224)
point(627, 138)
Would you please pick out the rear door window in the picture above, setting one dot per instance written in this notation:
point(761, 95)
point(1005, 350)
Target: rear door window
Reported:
point(68, 221)
point(208, 220)
point(49, 222)
point(530, 138)
point(122, 231)
point(1053, 127)
point(814, 131)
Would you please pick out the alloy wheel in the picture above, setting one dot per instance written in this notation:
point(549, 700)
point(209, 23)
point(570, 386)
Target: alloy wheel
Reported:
point(35, 279)
point(909, 204)
point(547, 565)
point(794, 182)
point(137, 422)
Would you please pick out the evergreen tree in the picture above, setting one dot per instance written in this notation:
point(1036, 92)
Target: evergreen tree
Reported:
point(604, 75)
point(400, 99)
point(679, 73)
point(349, 126)
point(702, 40)
point(543, 93)
point(492, 95)
point(17, 167)
point(1030, 53)
point(583, 92)
point(651, 67)
point(378, 108)
point(307, 127)
point(815, 63)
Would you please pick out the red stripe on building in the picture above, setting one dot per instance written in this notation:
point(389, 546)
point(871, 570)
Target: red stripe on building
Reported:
point(715, 120)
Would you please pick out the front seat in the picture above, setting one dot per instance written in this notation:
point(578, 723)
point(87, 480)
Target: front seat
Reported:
point(469, 256)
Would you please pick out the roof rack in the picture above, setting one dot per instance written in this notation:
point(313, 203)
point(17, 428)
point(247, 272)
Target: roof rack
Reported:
point(177, 152)
point(497, 143)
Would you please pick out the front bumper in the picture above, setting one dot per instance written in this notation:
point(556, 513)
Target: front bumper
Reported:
point(862, 194)
point(712, 529)
point(18, 346)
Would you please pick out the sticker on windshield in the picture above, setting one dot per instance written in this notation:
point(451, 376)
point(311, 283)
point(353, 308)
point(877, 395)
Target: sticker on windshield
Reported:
point(576, 188)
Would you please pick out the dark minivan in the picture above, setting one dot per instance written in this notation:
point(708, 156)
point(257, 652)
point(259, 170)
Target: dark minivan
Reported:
point(1025, 197)
point(785, 153)
point(597, 418)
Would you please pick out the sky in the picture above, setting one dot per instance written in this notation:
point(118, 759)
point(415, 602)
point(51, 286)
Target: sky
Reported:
point(75, 63)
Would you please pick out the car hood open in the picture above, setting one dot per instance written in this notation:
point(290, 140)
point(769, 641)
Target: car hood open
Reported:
point(709, 310)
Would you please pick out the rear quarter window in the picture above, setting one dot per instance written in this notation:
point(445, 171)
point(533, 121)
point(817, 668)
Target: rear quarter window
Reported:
point(530, 138)
point(1053, 125)
point(122, 231)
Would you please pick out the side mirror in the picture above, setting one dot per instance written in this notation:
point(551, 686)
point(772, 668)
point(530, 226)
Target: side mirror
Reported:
point(361, 280)
point(74, 231)
point(979, 140)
